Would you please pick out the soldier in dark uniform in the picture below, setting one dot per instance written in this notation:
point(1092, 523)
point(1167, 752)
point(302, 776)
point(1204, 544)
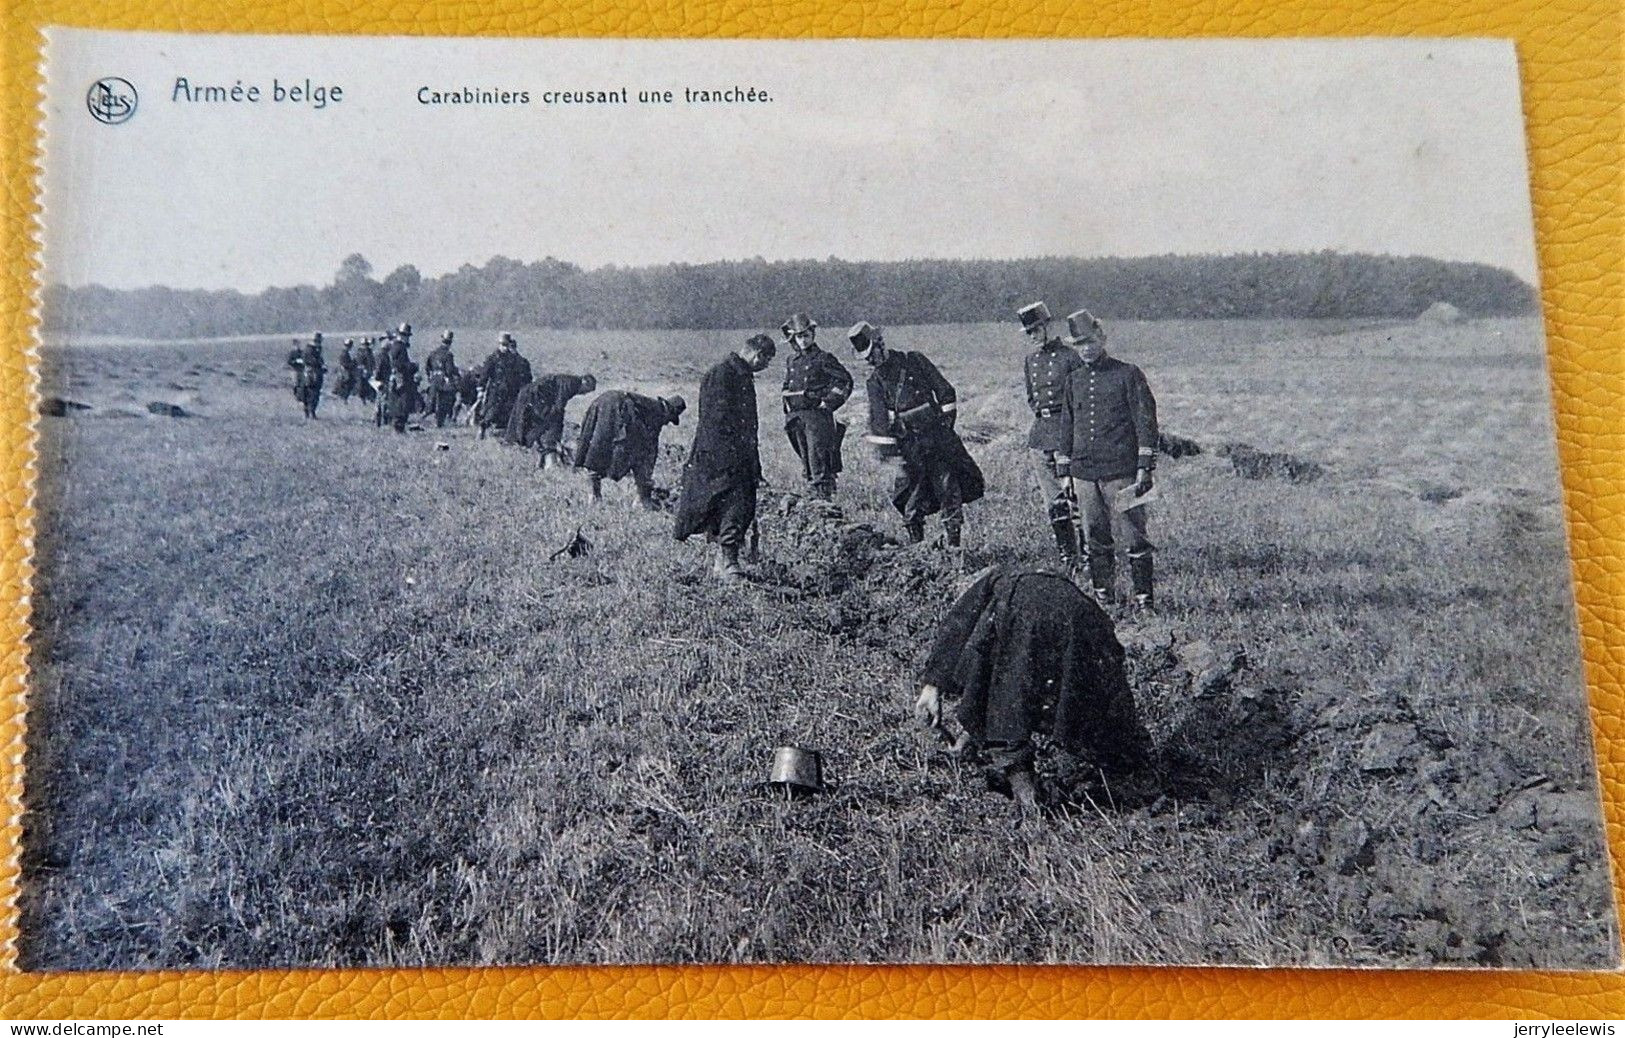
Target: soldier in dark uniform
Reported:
point(468, 394)
point(295, 362)
point(724, 464)
point(815, 387)
point(365, 364)
point(1028, 653)
point(397, 377)
point(443, 377)
point(620, 436)
point(1109, 424)
point(1046, 370)
point(538, 414)
point(345, 386)
point(502, 375)
point(911, 421)
point(312, 371)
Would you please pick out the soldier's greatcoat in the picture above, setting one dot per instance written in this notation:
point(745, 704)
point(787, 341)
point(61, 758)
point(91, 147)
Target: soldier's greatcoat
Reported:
point(365, 364)
point(441, 368)
point(911, 408)
point(312, 369)
point(348, 374)
point(1028, 652)
point(1046, 369)
point(620, 435)
point(538, 411)
point(724, 464)
point(815, 386)
point(502, 375)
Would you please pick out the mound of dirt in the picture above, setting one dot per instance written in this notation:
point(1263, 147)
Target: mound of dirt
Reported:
point(1438, 493)
point(1171, 446)
point(850, 579)
point(1359, 796)
point(1249, 462)
point(57, 407)
point(164, 410)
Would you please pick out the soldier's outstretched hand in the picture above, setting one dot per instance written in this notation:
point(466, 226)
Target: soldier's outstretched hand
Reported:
point(928, 707)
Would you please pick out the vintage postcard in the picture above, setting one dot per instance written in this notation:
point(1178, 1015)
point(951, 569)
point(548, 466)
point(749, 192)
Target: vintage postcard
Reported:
point(595, 501)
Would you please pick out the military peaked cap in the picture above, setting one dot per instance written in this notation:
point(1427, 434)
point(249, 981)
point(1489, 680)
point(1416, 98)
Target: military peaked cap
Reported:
point(1033, 316)
point(798, 322)
point(865, 337)
point(1083, 327)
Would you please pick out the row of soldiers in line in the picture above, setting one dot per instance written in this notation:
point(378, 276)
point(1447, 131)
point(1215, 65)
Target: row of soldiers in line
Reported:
point(1092, 441)
point(389, 379)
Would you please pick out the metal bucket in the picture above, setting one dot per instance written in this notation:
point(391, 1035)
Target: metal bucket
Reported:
point(797, 770)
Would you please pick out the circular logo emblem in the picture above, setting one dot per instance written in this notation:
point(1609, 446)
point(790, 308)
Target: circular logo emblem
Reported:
point(111, 100)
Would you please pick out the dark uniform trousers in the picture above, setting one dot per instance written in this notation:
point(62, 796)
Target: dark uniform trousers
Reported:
point(1046, 371)
point(815, 387)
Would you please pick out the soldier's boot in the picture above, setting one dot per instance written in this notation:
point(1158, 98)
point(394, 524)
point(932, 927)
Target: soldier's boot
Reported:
point(1140, 570)
point(595, 488)
point(1103, 579)
point(727, 568)
point(551, 460)
point(950, 534)
point(646, 499)
point(915, 529)
point(482, 431)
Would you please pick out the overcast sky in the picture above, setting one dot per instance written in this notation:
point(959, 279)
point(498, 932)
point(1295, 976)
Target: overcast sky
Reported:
point(868, 150)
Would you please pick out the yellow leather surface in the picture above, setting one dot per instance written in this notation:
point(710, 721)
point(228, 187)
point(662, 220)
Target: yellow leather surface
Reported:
point(1571, 59)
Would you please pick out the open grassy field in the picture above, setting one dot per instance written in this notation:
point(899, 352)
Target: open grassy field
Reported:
point(310, 694)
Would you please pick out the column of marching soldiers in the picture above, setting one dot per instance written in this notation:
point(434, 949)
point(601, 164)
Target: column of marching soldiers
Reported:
point(1092, 443)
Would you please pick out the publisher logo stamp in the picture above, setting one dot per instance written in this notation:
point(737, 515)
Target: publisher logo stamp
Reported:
point(111, 100)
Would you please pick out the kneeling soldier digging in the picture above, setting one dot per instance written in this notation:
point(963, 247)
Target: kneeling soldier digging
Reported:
point(1027, 652)
point(620, 436)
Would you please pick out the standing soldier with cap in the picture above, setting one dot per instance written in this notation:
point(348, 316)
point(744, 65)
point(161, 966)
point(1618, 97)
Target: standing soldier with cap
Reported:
point(364, 364)
point(620, 436)
point(1046, 370)
point(724, 464)
point(1109, 426)
point(312, 370)
point(347, 372)
point(397, 377)
point(443, 375)
point(502, 375)
point(911, 420)
point(815, 387)
point(538, 414)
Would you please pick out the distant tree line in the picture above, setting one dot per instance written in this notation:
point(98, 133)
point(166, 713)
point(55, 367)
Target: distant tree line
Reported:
point(755, 293)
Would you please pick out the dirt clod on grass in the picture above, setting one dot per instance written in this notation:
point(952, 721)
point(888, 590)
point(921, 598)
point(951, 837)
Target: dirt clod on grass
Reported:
point(1249, 462)
point(1171, 446)
point(57, 407)
point(164, 410)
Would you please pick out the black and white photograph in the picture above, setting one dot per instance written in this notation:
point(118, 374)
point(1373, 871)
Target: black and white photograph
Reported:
point(565, 501)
